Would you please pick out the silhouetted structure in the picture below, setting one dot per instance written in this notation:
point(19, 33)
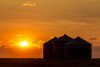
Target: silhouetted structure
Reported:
point(78, 49)
point(67, 48)
point(48, 49)
point(59, 47)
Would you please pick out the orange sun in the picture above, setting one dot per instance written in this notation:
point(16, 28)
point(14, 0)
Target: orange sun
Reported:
point(24, 44)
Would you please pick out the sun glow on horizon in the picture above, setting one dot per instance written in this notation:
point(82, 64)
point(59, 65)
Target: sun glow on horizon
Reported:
point(24, 44)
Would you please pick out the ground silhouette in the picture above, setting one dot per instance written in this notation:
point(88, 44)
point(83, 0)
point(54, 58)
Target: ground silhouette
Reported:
point(26, 62)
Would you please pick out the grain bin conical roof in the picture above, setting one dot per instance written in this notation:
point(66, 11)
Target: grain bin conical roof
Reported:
point(51, 40)
point(64, 38)
point(78, 42)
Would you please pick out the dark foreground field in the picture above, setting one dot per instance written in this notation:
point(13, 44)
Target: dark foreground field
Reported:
point(47, 63)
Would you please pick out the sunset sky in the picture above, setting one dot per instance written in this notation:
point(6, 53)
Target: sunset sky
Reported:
point(39, 20)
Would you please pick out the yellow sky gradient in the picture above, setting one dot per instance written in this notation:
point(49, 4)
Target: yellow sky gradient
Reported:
point(43, 19)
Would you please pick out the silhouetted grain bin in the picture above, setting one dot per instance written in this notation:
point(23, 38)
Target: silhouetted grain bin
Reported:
point(78, 49)
point(48, 52)
point(59, 47)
